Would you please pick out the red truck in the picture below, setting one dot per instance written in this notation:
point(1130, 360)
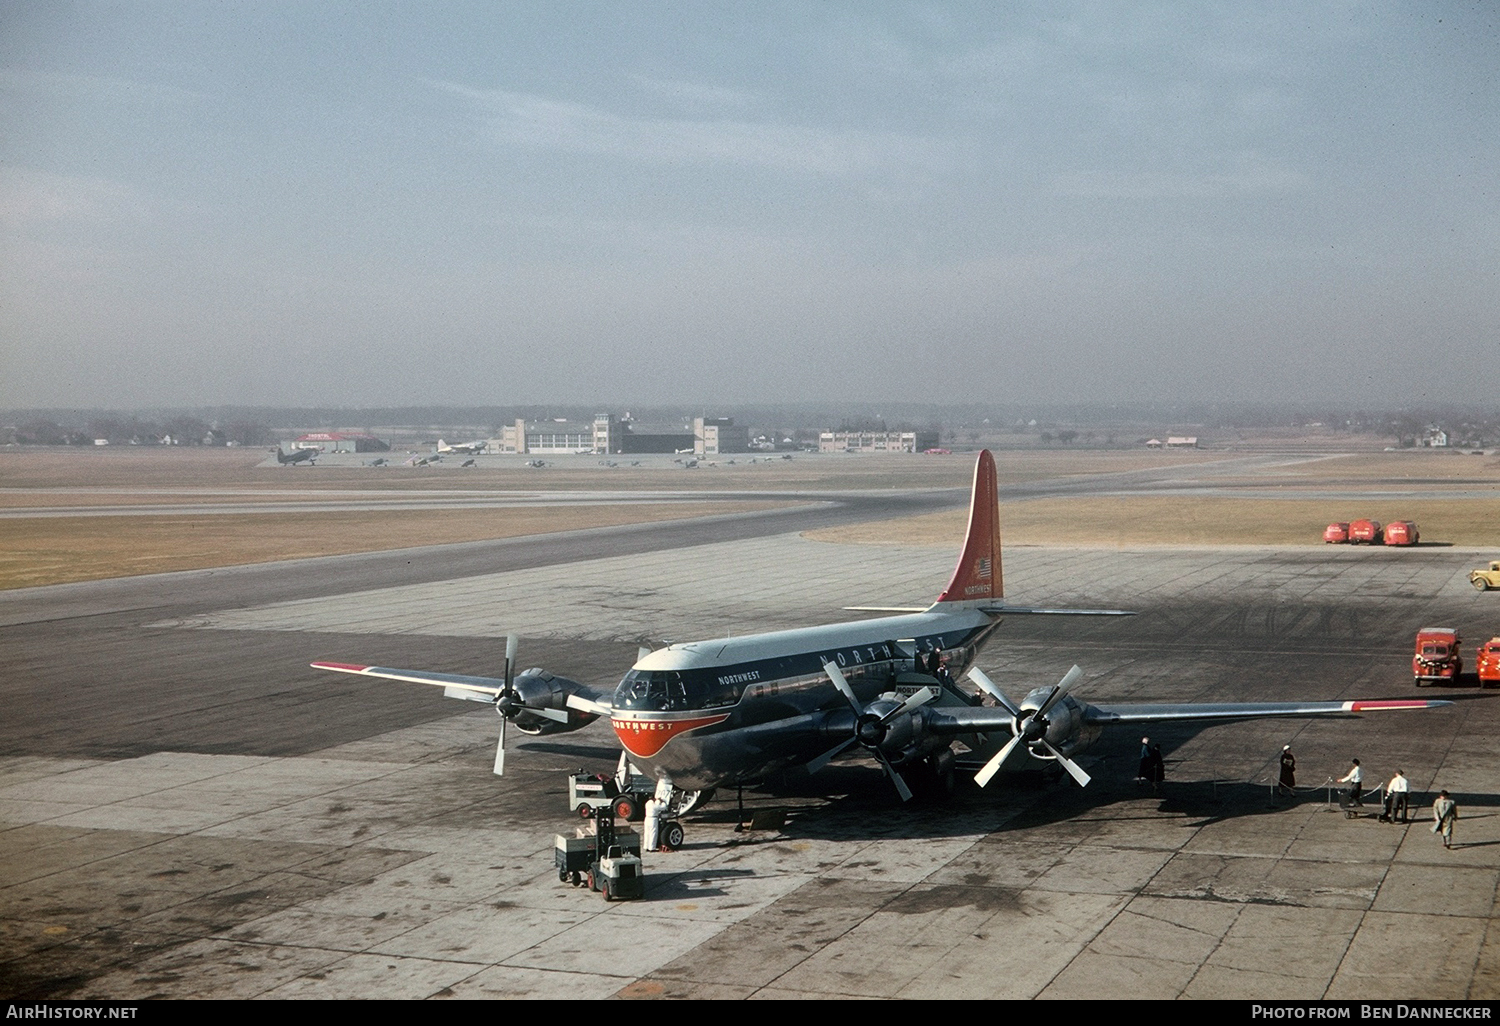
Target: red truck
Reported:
point(1336, 533)
point(1437, 656)
point(1487, 663)
point(1368, 532)
point(1402, 532)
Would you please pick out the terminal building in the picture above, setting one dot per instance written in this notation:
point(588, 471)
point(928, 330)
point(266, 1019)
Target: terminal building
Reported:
point(341, 441)
point(876, 441)
point(609, 434)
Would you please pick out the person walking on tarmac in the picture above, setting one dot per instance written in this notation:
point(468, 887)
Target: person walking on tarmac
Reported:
point(1349, 798)
point(1397, 792)
point(1287, 783)
point(1444, 812)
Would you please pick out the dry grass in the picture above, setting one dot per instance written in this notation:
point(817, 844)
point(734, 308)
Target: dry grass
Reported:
point(56, 550)
point(112, 473)
point(1195, 520)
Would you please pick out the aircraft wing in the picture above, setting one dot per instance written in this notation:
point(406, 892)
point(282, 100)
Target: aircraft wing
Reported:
point(1103, 715)
point(984, 719)
point(489, 686)
point(462, 685)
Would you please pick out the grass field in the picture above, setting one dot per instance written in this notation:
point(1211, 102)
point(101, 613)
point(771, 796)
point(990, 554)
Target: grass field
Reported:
point(59, 476)
point(56, 550)
point(1186, 520)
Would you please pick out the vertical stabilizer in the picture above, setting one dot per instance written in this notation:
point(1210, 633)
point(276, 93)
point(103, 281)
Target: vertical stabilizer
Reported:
point(977, 578)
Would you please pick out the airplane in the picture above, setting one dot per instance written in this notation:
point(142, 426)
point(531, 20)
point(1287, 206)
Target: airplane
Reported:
point(537, 464)
point(468, 463)
point(463, 449)
point(740, 710)
point(296, 456)
point(418, 460)
point(382, 461)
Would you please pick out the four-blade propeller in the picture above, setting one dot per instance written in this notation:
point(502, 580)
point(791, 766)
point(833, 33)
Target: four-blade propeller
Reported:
point(870, 728)
point(509, 704)
point(1029, 726)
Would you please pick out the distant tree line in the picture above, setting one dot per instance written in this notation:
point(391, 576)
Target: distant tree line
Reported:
point(180, 430)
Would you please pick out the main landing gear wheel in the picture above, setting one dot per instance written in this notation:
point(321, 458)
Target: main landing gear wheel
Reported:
point(671, 835)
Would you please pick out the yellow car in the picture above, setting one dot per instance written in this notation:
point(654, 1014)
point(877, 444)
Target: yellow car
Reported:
point(1484, 580)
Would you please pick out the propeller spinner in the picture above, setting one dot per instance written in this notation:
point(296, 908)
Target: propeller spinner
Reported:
point(1029, 727)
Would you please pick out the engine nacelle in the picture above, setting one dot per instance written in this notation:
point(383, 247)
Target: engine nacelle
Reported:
point(539, 689)
point(1066, 729)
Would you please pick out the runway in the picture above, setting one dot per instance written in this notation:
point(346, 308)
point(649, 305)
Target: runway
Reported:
point(188, 810)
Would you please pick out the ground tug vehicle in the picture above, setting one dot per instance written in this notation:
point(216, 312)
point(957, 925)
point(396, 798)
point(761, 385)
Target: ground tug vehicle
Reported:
point(1484, 580)
point(1437, 657)
point(1487, 663)
point(1402, 532)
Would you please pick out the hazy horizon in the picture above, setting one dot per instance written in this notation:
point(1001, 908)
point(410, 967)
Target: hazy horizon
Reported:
point(503, 204)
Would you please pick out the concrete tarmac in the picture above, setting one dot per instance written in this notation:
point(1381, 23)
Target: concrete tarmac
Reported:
point(188, 810)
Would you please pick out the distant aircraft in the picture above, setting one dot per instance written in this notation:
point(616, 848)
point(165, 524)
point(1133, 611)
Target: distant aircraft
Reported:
point(538, 464)
point(418, 460)
point(467, 463)
point(463, 449)
point(738, 710)
point(296, 456)
point(382, 461)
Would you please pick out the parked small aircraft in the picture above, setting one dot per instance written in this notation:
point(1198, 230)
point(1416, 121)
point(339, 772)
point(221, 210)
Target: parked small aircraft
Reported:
point(380, 462)
point(307, 456)
point(537, 464)
point(737, 710)
point(462, 449)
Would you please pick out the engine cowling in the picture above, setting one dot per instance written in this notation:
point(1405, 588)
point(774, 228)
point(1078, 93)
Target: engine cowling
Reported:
point(537, 688)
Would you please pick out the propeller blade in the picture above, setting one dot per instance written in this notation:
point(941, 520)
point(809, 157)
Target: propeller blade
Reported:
point(511, 641)
point(828, 756)
point(584, 705)
point(901, 788)
point(556, 715)
point(1062, 687)
point(500, 751)
point(1074, 770)
point(990, 688)
point(919, 697)
point(842, 683)
point(993, 766)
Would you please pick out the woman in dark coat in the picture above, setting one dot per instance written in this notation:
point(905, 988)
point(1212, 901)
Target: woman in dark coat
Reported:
point(1288, 782)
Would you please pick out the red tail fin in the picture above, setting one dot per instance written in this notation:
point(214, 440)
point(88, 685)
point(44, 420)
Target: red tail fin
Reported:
point(977, 578)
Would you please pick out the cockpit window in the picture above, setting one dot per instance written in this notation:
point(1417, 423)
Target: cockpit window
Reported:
point(656, 691)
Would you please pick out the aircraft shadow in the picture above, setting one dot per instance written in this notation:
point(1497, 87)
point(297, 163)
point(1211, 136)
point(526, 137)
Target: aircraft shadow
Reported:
point(858, 803)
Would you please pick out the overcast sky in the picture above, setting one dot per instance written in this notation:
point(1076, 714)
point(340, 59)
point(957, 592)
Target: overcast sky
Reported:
point(492, 202)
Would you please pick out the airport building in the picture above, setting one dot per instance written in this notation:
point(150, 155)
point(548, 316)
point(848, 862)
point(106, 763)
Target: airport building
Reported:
point(608, 433)
point(713, 435)
point(876, 441)
point(341, 441)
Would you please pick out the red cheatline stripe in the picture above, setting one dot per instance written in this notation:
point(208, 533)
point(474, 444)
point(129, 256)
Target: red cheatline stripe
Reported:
point(342, 666)
point(1395, 703)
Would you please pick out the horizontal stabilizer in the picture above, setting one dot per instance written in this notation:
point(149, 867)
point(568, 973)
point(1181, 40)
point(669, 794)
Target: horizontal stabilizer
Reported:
point(1036, 611)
